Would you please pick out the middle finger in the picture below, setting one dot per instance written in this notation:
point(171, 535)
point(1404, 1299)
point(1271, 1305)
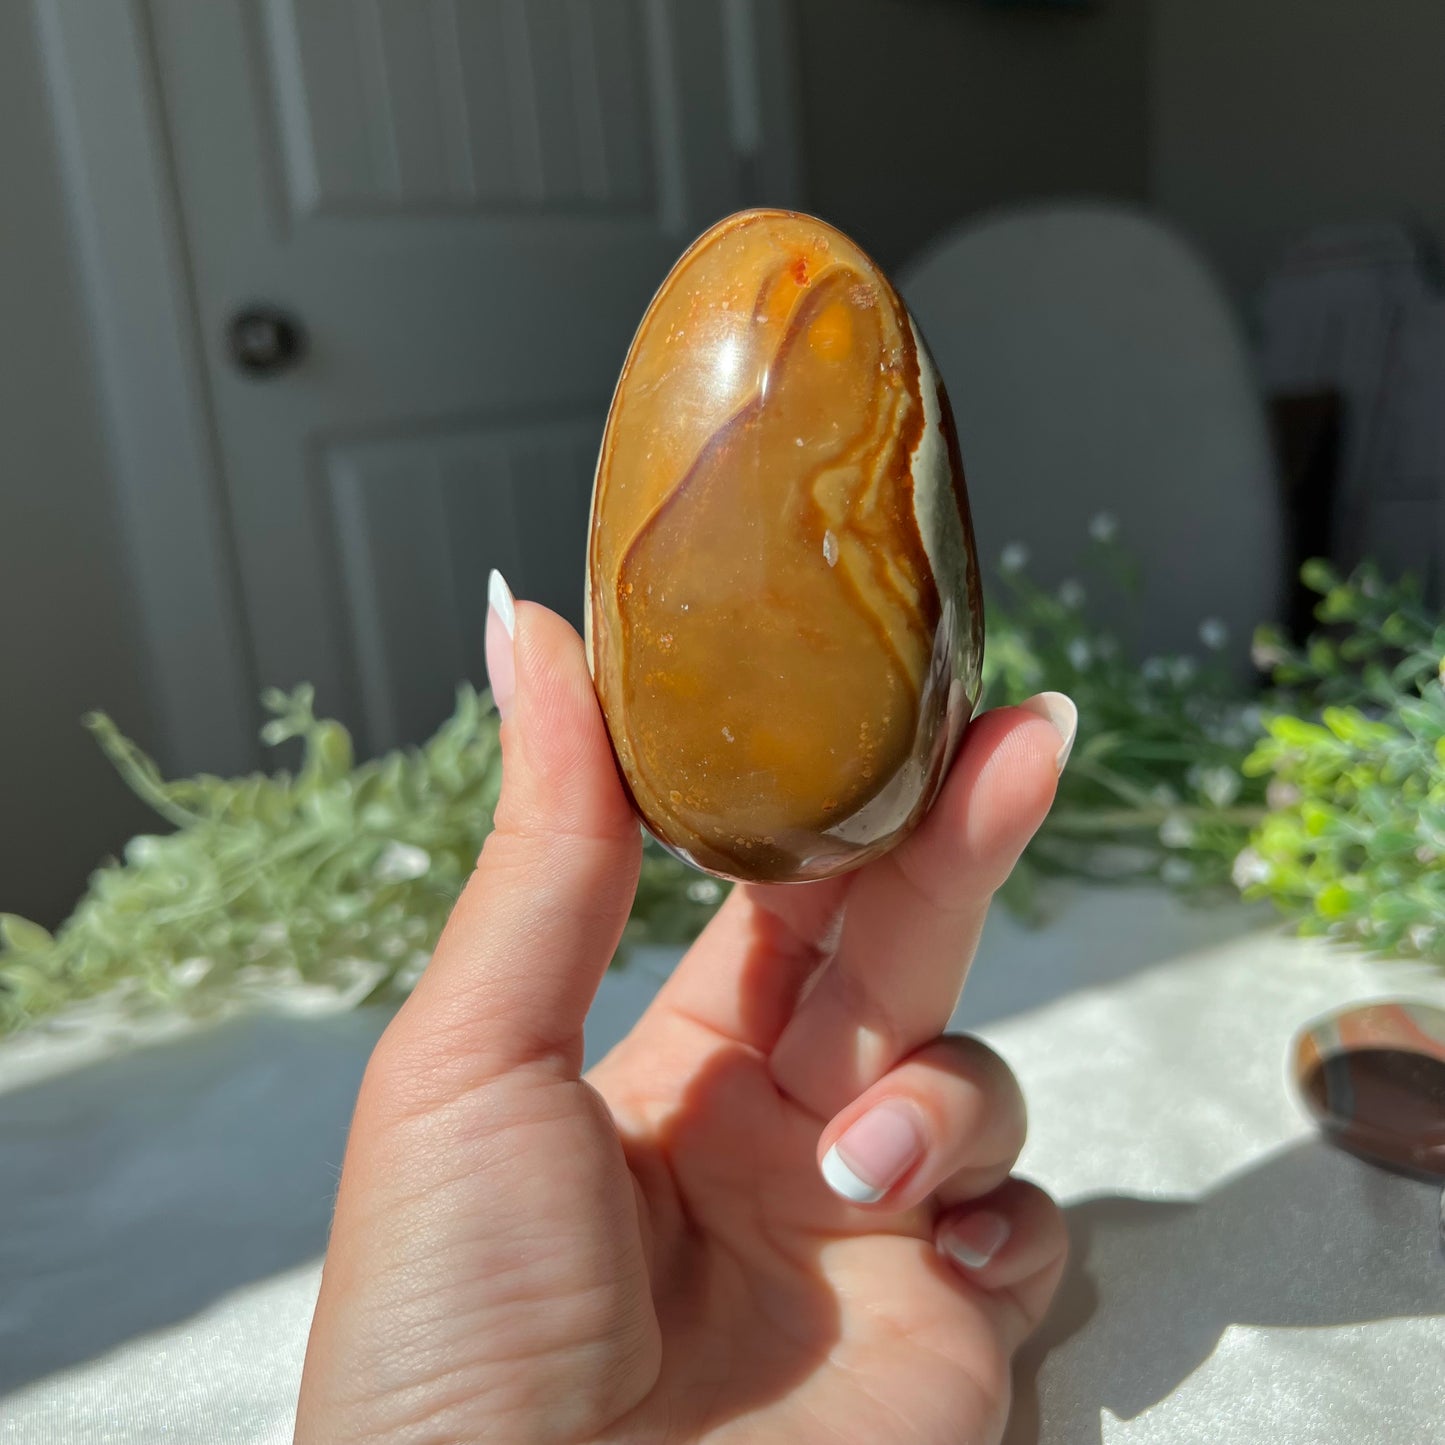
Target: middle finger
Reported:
point(913, 918)
point(951, 1115)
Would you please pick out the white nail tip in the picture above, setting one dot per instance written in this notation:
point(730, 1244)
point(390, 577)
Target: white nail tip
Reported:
point(499, 598)
point(843, 1181)
point(968, 1258)
point(1058, 709)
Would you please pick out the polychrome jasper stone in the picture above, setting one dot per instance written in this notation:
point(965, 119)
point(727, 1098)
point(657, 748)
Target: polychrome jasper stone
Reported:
point(784, 621)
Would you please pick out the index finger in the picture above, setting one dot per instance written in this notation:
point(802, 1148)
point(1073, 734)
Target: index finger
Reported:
point(913, 918)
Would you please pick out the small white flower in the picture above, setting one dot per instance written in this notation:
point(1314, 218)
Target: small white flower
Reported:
point(400, 863)
point(1071, 595)
point(1176, 831)
point(190, 971)
point(1182, 670)
point(1219, 785)
point(143, 848)
point(1266, 654)
point(1013, 558)
point(1079, 654)
point(1249, 869)
point(704, 890)
point(1421, 936)
point(1104, 526)
point(1425, 854)
point(1281, 795)
point(1155, 669)
point(1213, 633)
point(1177, 872)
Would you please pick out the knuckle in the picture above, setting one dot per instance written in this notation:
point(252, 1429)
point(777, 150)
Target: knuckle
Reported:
point(990, 1083)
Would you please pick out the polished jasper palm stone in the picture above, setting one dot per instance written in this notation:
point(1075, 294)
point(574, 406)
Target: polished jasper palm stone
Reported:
point(784, 622)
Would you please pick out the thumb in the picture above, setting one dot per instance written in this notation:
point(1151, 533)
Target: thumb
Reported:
point(520, 959)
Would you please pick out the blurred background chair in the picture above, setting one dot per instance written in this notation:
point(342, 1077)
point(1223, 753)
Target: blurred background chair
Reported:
point(1095, 366)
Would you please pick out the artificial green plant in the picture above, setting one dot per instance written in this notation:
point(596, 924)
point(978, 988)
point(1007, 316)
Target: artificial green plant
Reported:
point(1324, 793)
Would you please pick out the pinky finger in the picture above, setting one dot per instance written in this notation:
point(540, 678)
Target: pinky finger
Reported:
point(1012, 1243)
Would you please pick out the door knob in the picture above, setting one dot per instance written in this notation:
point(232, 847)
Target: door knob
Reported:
point(263, 340)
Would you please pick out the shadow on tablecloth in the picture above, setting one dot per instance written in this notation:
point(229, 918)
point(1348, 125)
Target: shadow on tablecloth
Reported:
point(1309, 1237)
point(139, 1190)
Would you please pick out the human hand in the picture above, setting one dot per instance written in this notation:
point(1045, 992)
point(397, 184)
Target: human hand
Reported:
point(651, 1253)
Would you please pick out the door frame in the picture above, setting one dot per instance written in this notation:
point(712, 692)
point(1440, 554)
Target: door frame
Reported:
point(119, 184)
point(125, 220)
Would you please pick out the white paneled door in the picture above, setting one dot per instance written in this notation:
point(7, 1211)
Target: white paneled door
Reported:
point(421, 233)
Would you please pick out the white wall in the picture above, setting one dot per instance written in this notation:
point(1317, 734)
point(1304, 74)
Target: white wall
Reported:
point(1244, 121)
point(917, 114)
point(1271, 116)
point(68, 640)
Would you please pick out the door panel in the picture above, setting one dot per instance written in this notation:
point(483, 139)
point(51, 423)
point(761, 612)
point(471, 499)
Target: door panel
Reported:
point(466, 204)
point(482, 104)
point(414, 514)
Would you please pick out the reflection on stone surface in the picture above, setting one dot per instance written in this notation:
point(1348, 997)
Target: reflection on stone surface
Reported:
point(784, 622)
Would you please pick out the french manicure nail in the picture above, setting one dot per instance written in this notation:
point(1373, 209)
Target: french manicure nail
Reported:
point(874, 1153)
point(1059, 710)
point(501, 627)
point(975, 1239)
point(499, 595)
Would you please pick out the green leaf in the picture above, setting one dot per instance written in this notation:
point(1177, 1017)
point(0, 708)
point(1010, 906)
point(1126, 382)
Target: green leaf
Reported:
point(1319, 576)
point(1423, 721)
point(1335, 901)
point(343, 862)
point(328, 753)
point(19, 935)
point(1396, 630)
point(1345, 723)
point(1296, 732)
point(1394, 907)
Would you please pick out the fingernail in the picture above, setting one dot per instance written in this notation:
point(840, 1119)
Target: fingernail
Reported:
point(501, 625)
point(1061, 712)
point(874, 1153)
point(975, 1239)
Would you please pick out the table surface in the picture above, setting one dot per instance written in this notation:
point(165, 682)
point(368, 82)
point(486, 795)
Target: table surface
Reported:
point(1232, 1280)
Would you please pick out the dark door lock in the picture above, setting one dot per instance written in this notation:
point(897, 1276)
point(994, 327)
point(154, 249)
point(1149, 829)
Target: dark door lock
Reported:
point(264, 341)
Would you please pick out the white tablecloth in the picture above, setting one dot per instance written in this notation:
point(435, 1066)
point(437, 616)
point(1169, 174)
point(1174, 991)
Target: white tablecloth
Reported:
point(1234, 1281)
